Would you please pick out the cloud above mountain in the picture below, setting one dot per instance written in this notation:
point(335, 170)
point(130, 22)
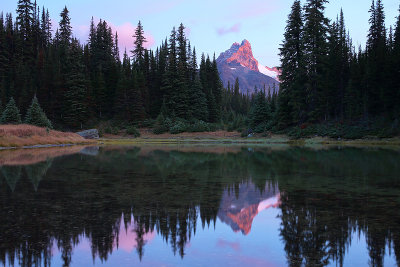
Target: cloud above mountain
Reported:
point(233, 29)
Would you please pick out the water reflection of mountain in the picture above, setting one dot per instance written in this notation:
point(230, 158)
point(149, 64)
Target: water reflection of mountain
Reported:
point(325, 196)
point(240, 206)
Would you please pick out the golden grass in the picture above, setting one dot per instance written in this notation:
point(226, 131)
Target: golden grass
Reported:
point(28, 135)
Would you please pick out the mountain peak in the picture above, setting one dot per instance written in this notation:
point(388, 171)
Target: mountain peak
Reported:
point(243, 56)
point(239, 62)
point(245, 42)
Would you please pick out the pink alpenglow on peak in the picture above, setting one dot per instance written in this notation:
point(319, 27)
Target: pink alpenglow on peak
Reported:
point(239, 62)
point(244, 56)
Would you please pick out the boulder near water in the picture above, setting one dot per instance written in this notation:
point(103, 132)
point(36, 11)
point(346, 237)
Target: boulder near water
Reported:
point(89, 134)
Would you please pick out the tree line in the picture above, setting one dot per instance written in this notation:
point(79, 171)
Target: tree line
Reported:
point(78, 85)
point(326, 80)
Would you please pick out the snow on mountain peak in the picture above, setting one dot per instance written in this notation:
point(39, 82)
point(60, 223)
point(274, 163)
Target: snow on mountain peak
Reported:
point(271, 72)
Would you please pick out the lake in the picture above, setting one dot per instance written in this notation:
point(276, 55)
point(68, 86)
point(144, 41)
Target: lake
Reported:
point(200, 206)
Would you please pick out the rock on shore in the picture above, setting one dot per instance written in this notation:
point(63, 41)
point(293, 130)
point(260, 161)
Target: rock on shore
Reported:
point(89, 134)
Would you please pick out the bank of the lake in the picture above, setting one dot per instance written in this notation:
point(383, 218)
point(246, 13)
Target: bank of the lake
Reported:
point(19, 136)
point(225, 137)
point(27, 136)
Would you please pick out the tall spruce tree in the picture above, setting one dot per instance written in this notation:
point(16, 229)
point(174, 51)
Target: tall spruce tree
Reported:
point(259, 113)
point(65, 27)
point(140, 40)
point(171, 77)
point(75, 113)
point(25, 23)
point(315, 53)
point(198, 101)
point(396, 66)
point(181, 96)
point(292, 97)
point(376, 50)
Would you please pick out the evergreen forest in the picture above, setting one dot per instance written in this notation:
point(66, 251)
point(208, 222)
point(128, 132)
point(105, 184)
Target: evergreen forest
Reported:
point(328, 86)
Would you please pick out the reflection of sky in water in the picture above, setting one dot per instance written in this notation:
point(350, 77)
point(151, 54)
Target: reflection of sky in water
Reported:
point(214, 247)
point(247, 230)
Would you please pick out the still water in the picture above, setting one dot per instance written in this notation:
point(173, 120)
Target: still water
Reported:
point(200, 206)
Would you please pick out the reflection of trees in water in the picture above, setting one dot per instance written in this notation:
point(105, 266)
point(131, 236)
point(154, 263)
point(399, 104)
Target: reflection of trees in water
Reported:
point(317, 227)
point(35, 173)
point(326, 196)
point(11, 174)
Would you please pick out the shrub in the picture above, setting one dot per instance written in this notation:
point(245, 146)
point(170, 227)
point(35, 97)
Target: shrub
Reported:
point(148, 123)
point(230, 128)
point(111, 130)
point(131, 130)
point(36, 116)
point(160, 130)
point(260, 128)
point(11, 114)
point(162, 125)
point(178, 127)
point(198, 126)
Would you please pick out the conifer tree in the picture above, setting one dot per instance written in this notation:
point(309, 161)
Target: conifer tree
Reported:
point(137, 109)
point(171, 77)
point(315, 47)
point(213, 113)
point(11, 113)
point(198, 102)
point(36, 116)
point(65, 27)
point(181, 96)
point(259, 113)
point(75, 95)
point(25, 13)
point(376, 49)
point(140, 40)
point(236, 97)
point(396, 65)
point(216, 85)
point(292, 98)
point(25, 23)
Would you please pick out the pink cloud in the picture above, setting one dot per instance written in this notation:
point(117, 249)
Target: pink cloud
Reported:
point(126, 39)
point(234, 29)
point(233, 245)
point(254, 8)
point(125, 35)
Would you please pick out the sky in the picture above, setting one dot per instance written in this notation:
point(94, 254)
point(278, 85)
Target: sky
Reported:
point(212, 26)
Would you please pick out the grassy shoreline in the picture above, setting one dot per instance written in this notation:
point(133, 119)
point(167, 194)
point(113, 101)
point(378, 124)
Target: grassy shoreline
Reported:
point(28, 136)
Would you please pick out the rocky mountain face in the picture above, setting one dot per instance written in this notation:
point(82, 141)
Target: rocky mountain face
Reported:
point(238, 209)
point(239, 62)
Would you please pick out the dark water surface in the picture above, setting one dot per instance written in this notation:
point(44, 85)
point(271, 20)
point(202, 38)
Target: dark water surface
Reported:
point(201, 206)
